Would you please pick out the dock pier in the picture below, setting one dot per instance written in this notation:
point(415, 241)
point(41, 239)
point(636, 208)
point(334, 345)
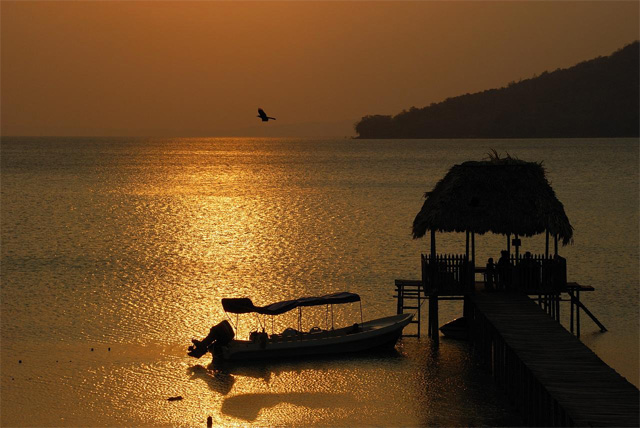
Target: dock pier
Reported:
point(547, 372)
point(549, 375)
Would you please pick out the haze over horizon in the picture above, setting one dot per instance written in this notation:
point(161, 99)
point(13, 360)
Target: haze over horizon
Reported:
point(204, 68)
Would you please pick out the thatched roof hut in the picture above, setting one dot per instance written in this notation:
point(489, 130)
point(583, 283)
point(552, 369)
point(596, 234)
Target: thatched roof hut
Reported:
point(503, 196)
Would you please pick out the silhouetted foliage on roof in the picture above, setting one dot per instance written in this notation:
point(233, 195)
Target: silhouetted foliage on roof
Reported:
point(499, 195)
point(595, 98)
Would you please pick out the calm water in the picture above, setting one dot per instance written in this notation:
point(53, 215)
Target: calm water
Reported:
point(130, 244)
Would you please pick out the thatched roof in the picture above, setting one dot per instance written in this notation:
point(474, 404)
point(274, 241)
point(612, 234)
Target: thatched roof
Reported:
point(499, 195)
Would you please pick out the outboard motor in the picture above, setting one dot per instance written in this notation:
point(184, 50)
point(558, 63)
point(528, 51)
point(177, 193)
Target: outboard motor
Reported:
point(219, 335)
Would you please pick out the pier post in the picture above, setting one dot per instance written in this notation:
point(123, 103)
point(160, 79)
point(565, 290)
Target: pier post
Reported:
point(435, 334)
point(540, 384)
point(571, 316)
point(433, 300)
point(578, 313)
point(429, 321)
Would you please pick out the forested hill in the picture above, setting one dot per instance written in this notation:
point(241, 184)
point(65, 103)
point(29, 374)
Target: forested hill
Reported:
point(595, 98)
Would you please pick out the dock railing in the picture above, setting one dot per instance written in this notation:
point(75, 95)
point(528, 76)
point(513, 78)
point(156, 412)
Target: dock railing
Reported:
point(454, 274)
point(447, 274)
point(537, 273)
point(453, 277)
point(534, 274)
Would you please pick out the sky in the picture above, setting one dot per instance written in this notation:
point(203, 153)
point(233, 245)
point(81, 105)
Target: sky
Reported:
point(118, 68)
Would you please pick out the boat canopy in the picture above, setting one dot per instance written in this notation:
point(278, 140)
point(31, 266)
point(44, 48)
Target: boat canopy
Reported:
point(245, 305)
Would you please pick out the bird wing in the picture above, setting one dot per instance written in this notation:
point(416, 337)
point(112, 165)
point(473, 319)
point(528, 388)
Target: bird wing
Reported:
point(261, 112)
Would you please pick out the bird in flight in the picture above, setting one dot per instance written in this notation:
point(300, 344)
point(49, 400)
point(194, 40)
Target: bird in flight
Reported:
point(262, 115)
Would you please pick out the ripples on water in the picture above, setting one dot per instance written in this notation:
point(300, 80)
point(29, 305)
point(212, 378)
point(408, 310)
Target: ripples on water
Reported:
point(131, 244)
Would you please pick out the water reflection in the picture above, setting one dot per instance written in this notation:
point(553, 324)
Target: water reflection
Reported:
point(248, 406)
point(361, 389)
point(314, 384)
point(220, 375)
point(217, 380)
point(132, 244)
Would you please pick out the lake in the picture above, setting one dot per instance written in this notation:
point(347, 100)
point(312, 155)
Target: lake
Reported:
point(115, 252)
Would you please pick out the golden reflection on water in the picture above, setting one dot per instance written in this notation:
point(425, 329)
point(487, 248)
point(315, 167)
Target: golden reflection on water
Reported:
point(226, 229)
point(129, 386)
point(131, 245)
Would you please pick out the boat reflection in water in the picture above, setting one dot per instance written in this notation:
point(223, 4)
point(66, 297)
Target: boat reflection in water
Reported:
point(381, 332)
point(248, 406)
point(222, 376)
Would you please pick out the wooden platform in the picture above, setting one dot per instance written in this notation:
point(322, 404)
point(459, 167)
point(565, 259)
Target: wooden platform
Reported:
point(587, 391)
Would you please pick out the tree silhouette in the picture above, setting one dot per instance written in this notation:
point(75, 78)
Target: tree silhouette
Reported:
point(595, 98)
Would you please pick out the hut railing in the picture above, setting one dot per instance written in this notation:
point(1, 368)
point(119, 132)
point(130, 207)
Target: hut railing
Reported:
point(533, 274)
point(448, 274)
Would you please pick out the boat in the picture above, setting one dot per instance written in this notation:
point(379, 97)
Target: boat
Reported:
point(456, 329)
point(221, 341)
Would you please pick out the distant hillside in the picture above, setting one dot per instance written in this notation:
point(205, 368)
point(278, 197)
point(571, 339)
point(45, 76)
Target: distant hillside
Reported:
point(595, 98)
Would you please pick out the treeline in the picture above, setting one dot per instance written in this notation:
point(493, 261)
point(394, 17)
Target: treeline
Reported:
point(595, 98)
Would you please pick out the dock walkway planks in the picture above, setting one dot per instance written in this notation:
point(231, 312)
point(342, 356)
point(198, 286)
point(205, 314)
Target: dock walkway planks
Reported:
point(589, 391)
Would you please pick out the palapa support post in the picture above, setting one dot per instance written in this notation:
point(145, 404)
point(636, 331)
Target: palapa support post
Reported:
point(555, 244)
point(467, 244)
point(433, 244)
point(433, 299)
point(473, 248)
point(426, 280)
point(546, 244)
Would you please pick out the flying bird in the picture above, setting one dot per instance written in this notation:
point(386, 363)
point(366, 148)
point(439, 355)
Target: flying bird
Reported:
point(262, 115)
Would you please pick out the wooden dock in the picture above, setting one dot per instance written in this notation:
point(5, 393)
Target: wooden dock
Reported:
point(550, 375)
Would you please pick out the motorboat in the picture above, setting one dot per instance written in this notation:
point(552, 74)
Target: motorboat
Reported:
point(221, 341)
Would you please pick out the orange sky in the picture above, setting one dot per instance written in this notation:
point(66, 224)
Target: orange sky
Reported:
point(203, 68)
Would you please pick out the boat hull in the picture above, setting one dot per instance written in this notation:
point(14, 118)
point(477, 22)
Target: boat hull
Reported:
point(457, 329)
point(383, 332)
